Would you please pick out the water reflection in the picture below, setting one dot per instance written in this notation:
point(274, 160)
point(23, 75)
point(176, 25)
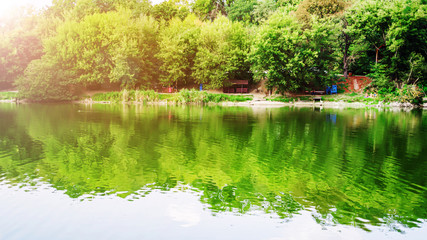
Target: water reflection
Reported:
point(353, 167)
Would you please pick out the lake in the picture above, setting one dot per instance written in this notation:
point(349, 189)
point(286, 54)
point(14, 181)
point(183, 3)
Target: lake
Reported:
point(70, 171)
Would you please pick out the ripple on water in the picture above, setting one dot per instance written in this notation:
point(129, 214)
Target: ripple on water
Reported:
point(339, 170)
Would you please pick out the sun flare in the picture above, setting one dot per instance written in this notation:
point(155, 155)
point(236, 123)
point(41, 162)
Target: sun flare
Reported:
point(7, 7)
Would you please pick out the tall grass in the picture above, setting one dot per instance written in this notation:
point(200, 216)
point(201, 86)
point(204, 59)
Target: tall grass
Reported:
point(349, 97)
point(109, 96)
point(127, 96)
point(200, 97)
point(182, 97)
point(8, 95)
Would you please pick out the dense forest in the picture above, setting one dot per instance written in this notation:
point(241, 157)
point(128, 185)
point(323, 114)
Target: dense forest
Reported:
point(77, 45)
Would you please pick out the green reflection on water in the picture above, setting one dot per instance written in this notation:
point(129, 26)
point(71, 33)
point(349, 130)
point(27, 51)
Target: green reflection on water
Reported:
point(357, 167)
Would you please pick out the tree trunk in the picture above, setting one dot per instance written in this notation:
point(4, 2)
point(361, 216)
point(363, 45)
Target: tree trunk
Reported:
point(347, 43)
point(345, 54)
point(376, 55)
point(377, 50)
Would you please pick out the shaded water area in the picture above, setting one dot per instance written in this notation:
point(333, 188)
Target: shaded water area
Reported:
point(160, 172)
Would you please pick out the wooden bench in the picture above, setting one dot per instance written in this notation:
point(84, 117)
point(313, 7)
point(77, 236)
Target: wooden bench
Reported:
point(317, 99)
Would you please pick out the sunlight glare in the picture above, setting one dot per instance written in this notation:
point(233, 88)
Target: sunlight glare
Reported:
point(7, 6)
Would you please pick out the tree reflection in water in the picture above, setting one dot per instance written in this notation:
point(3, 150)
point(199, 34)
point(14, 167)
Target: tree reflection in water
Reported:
point(357, 167)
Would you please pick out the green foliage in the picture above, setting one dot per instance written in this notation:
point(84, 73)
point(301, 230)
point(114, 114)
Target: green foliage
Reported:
point(77, 10)
point(392, 33)
point(411, 93)
point(19, 45)
point(282, 3)
point(242, 10)
point(264, 9)
point(220, 97)
point(406, 94)
point(222, 52)
point(417, 69)
point(108, 48)
point(391, 91)
point(194, 96)
point(178, 47)
point(127, 96)
point(8, 95)
point(44, 81)
point(380, 77)
point(169, 9)
point(280, 99)
point(182, 97)
point(319, 8)
point(189, 96)
point(351, 97)
point(146, 96)
point(294, 44)
point(291, 57)
point(210, 9)
point(109, 97)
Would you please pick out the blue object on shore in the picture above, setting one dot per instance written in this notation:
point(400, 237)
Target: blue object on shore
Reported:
point(201, 87)
point(334, 89)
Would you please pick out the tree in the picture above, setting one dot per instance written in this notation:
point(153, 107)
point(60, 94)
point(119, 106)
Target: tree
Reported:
point(60, 7)
point(78, 9)
point(221, 54)
point(169, 9)
point(178, 47)
point(108, 48)
point(319, 8)
point(290, 57)
point(346, 40)
point(211, 9)
point(282, 3)
point(393, 34)
point(242, 10)
point(44, 80)
point(372, 27)
point(264, 9)
point(20, 44)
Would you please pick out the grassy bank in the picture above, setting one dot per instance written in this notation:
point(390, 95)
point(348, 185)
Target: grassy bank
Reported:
point(345, 97)
point(183, 96)
point(352, 97)
point(202, 97)
point(8, 95)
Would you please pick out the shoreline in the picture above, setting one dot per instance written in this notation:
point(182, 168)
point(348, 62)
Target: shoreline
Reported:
point(335, 104)
point(258, 103)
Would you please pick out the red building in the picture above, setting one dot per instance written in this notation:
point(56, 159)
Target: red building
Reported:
point(354, 83)
point(237, 86)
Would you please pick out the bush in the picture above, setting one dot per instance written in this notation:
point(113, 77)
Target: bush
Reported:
point(43, 81)
point(182, 97)
point(127, 96)
point(380, 78)
point(148, 95)
point(187, 96)
point(8, 95)
point(279, 99)
point(410, 93)
point(194, 96)
point(108, 96)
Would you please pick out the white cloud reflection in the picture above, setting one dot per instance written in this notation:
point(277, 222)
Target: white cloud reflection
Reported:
point(187, 215)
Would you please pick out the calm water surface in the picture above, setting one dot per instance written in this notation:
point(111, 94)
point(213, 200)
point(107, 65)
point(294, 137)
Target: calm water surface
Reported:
point(158, 172)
